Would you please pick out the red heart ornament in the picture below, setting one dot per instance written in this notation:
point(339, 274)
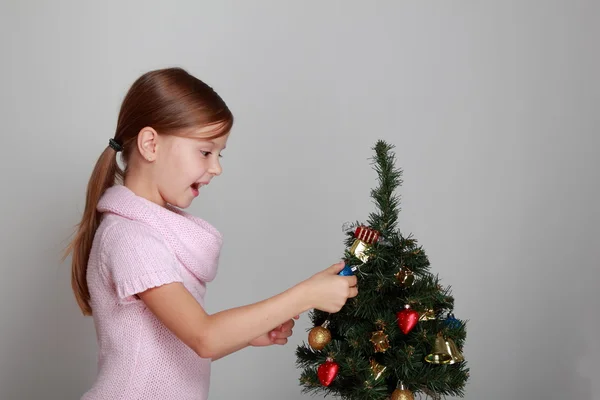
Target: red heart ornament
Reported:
point(407, 319)
point(327, 372)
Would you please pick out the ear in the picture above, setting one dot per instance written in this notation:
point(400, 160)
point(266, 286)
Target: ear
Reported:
point(147, 143)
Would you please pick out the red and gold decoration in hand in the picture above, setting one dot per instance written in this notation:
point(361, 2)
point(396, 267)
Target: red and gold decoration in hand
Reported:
point(328, 371)
point(319, 336)
point(364, 238)
point(407, 319)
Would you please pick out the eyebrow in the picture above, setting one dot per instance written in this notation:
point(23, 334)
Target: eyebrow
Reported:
point(211, 141)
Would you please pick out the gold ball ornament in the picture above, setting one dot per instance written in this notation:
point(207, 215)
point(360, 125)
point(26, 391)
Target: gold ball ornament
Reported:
point(402, 393)
point(319, 336)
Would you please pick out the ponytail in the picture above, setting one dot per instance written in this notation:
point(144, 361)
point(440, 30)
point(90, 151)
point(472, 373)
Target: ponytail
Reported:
point(103, 177)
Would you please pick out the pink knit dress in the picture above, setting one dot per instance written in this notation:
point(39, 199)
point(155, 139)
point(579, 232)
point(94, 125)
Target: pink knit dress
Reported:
point(140, 245)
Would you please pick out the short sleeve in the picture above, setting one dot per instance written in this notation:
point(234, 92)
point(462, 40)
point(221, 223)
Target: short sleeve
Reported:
point(136, 258)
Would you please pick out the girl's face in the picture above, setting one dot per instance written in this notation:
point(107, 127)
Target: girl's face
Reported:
point(181, 166)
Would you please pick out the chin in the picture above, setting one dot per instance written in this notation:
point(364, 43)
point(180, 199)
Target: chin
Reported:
point(181, 202)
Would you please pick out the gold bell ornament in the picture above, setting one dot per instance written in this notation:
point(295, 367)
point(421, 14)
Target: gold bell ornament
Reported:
point(402, 393)
point(440, 353)
point(319, 336)
point(453, 350)
point(444, 351)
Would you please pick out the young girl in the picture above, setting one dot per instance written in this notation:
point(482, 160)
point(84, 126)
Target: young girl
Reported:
point(140, 264)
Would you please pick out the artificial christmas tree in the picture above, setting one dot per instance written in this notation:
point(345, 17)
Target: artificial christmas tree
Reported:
point(399, 336)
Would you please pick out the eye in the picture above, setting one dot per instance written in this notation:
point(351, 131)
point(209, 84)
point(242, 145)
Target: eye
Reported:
point(207, 153)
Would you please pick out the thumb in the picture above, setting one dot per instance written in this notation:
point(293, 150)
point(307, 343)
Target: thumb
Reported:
point(335, 268)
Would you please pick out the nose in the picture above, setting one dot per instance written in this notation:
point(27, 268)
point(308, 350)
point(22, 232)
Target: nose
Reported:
point(215, 168)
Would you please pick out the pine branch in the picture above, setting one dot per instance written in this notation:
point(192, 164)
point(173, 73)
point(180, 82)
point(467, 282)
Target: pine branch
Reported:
point(387, 203)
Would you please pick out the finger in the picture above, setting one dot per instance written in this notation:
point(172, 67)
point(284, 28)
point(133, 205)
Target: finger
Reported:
point(287, 327)
point(353, 292)
point(297, 317)
point(352, 280)
point(280, 341)
point(284, 334)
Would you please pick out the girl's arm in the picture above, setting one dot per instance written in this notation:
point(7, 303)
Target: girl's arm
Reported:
point(214, 336)
point(277, 336)
point(219, 356)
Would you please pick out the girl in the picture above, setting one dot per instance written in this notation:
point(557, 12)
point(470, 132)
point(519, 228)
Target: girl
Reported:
point(140, 263)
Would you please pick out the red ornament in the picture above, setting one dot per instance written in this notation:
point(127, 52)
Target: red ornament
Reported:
point(328, 371)
point(407, 319)
point(367, 235)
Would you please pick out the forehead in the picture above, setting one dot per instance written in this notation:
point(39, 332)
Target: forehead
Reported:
point(220, 142)
point(203, 135)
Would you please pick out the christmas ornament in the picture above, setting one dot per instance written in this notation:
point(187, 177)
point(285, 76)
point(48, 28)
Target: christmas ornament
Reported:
point(319, 336)
point(405, 277)
point(364, 238)
point(440, 353)
point(377, 369)
point(407, 319)
point(348, 270)
point(327, 371)
point(348, 227)
point(402, 393)
point(428, 315)
point(452, 322)
point(380, 341)
point(453, 351)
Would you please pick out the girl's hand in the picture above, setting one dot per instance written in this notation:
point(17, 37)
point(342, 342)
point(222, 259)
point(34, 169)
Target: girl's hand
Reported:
point(278, 335)
point(329, 291)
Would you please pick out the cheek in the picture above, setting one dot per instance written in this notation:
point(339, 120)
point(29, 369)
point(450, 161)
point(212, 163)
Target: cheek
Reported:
point(181, 169)
point(171, 173)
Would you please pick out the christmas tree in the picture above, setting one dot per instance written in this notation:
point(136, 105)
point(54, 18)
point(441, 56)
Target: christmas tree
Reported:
point(399, 336)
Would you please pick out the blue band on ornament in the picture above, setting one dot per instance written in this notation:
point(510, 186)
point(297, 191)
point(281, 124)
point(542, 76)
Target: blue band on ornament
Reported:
point(347, 271)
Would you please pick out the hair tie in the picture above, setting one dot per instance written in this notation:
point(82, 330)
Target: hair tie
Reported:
point(115, 145)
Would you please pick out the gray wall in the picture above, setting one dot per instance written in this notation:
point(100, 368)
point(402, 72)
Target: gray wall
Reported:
point(493, 107)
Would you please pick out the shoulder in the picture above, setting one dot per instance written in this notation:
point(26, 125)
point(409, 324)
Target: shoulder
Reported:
point(119, 231)
point(135, 256)
point(124, 238)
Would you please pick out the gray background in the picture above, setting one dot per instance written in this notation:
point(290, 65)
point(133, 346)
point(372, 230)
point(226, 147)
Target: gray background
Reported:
point(493, 107)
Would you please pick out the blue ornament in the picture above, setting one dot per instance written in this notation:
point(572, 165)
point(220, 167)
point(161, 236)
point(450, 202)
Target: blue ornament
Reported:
point(452, 322)
point(348, 270)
